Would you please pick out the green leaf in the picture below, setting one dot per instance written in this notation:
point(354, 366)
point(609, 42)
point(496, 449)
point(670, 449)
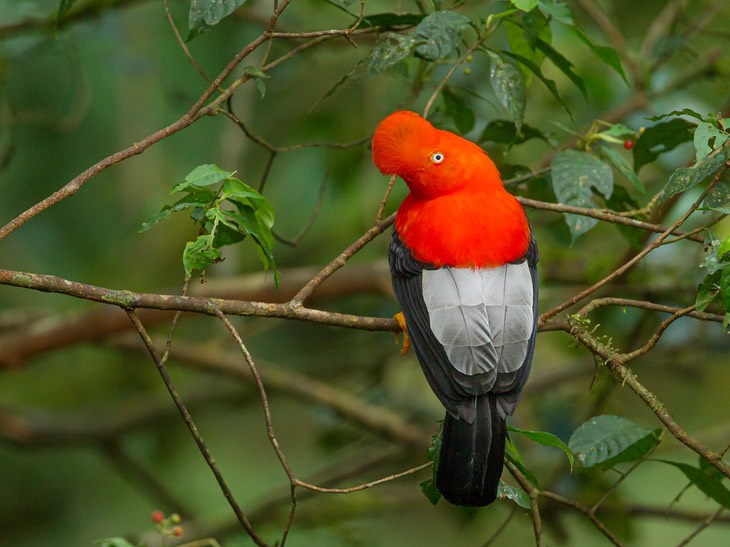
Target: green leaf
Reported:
point(63, 8)
point(390, 20)
point(550, 84)
point(708, 290)
point(523, 30)
point(517, 495)
point(708, 483)
point(439, 34)
point(258, 76)
point(387, 53)
point(705, 133)
point(458, 110)
point(683, 112)
point(509, 87)
point(192, 200)
point(546, 439)
point(725, 288)
point(605, 441)
point(621, 165)
point(200, 254)
point(606, 54)
point(524, 5)
point(203, 175)
point(685, 178)
point(659, 139)
point(558, 10)
point(616, 134)
point(428, 487)
point(513, 456)
point(205, 14)
point(563, 64)
point(505, 131)
point(114, 542)
point(720, 195)
point(574, 177)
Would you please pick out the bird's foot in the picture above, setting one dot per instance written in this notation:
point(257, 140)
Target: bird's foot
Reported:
point(406, 339)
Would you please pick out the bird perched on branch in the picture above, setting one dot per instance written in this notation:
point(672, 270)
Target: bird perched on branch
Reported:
point(463, 263)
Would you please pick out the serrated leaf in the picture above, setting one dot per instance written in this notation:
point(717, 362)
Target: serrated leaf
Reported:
point(685, 178)
point(517, 495)
point(606, 54)
point(505, 131)
point(709, 484)
point(458, 110)
point(558, 10)
point(205, 14)
point(605, 441)
point(203, 175)
point(574, 177)
point(659, 139)
point(438, 34)
point(509, 87)
point(704, 134)
point(546, 439)
point(63, 8)
point(620, 163)
point(550, 84)
point(524, 5)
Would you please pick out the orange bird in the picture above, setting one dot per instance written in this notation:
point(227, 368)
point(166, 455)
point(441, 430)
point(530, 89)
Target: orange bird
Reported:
point(463, 263)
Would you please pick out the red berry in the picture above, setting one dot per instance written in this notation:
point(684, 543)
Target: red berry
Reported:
point(628, 144)
point(157, 517)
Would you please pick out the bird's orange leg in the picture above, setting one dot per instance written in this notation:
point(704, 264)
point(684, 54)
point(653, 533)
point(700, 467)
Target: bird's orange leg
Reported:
point(406, 339)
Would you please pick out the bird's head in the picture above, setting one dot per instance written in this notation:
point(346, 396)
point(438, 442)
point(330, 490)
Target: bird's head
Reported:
point(431, 161)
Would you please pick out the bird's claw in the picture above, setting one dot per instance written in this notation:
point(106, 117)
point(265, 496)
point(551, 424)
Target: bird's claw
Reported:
point(406, 339)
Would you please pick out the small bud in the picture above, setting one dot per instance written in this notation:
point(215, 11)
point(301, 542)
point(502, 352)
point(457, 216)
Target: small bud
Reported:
point(175, 518)
point(467, 71)
point(157, 517)
point(178, 531)
point(628, 144)
point(641, 130)
point(469, 58)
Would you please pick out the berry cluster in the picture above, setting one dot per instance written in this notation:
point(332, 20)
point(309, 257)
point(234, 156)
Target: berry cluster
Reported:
point(167, 526)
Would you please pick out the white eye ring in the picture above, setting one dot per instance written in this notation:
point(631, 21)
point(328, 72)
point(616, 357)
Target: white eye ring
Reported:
point(437, 157)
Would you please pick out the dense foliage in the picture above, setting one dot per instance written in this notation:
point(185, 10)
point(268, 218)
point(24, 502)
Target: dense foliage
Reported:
point(230, 283)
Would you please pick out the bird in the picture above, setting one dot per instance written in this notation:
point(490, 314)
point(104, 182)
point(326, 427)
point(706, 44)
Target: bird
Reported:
point(463, 263)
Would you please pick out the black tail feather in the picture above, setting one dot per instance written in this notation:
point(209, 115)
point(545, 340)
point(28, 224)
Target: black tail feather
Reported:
point(472, 455)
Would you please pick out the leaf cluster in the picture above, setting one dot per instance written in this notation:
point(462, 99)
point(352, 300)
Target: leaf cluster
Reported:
point(226, 211)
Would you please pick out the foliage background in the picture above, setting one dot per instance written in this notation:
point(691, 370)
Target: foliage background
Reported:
point(92, 443)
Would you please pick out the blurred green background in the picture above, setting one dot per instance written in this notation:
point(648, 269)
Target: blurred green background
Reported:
point(110, 446)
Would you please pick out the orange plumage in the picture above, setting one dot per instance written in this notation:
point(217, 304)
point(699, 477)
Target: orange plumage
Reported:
point(456, 196)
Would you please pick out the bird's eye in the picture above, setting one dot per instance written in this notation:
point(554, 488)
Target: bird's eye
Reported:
point(437, 157)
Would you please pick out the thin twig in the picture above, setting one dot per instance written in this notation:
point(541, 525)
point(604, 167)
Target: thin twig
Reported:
point(365, 486)
point(638, 257)
point(193, 429)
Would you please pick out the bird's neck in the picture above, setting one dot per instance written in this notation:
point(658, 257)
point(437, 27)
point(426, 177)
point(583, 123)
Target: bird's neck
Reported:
point(477, 229)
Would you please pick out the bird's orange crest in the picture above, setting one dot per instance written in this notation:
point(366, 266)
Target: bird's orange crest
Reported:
point(458, 212)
